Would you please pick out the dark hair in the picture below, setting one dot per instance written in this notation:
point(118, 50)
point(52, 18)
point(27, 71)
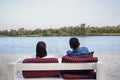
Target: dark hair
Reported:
point(74, 43)
point(41, 49)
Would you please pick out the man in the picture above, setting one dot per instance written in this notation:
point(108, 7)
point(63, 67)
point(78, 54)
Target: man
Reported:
point(76, 49)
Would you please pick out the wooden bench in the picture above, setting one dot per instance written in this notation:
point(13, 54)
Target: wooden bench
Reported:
point(17, 66)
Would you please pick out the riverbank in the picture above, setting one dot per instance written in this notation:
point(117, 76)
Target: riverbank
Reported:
point(111, 63)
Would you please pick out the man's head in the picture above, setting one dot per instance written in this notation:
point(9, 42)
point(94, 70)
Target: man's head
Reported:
point(74, 43)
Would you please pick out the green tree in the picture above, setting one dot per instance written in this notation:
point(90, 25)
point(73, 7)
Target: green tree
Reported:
point(82, 29)
point(13, 33)
point(37, 32)
point(21, 31)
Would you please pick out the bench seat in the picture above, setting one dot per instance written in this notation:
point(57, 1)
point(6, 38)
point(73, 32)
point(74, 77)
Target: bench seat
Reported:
point(16, 66)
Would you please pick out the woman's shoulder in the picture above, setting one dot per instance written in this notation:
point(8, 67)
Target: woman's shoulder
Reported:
point(49, 56)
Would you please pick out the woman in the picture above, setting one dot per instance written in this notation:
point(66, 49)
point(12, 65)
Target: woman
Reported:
point(41, 49)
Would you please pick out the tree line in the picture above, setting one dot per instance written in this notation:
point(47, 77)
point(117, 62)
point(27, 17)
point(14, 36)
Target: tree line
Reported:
point(80, 30)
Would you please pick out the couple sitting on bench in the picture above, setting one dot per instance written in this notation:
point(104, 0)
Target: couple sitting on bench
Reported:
point(77, 55)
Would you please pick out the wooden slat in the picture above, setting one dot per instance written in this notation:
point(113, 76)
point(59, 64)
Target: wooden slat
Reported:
point(54, 66)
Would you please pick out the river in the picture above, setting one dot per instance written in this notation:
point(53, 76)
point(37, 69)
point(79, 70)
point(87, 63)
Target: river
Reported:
point(58, 45)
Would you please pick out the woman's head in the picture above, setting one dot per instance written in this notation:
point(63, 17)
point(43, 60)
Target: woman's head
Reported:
point(74, 43)
point(41, 49)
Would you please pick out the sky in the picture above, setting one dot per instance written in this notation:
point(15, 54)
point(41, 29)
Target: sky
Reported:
point(43, 14)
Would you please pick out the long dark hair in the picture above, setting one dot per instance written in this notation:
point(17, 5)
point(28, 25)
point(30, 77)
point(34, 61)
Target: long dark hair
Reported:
point(41, 49)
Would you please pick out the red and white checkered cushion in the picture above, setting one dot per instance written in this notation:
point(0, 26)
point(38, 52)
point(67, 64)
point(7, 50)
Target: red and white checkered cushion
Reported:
point(90, 75)
point(78, 74)
point(40, 73)
point(70, 59)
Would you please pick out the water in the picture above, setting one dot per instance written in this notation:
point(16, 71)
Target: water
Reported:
point(58, 45)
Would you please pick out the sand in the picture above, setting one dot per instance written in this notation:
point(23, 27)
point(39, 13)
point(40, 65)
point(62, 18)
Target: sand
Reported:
point(111, 63)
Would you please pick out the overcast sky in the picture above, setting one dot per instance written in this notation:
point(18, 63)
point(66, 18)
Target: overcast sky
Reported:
point(32, 14)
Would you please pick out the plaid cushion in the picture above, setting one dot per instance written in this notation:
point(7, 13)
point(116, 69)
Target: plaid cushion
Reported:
point(40, 73)
point(91, 75)
point(78, 74)
point(70, 59)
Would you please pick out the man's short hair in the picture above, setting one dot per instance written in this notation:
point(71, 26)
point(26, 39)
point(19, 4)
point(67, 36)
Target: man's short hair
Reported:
point(74, 43)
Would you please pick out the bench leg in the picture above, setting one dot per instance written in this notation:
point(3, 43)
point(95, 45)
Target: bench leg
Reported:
point(12, 72)
point(100, 72)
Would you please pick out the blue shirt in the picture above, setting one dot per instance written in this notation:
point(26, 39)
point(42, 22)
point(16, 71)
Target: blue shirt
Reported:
point(81, 50)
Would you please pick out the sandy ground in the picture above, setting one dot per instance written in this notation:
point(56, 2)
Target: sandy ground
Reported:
point(111, 63)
